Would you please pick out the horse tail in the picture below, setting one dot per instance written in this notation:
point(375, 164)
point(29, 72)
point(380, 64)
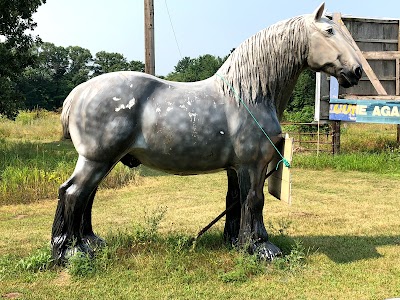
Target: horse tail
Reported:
point(65, 115)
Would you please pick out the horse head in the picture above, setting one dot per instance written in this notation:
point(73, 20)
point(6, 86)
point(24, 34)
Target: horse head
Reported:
point(331, 50)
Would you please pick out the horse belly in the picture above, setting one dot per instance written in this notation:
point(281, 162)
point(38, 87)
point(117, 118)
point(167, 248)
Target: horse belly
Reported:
point(182, 141)
point(182, 158)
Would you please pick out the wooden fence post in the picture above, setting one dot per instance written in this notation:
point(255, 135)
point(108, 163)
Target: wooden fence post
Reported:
point(335, 137)
point(398, 134)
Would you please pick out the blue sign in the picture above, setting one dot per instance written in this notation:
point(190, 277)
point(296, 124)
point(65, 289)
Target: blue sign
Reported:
point(365, 111)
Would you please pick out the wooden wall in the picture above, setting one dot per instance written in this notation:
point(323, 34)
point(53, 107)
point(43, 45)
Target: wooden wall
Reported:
point(372, 35)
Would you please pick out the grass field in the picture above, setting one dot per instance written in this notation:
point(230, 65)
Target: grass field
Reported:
point(341, 235)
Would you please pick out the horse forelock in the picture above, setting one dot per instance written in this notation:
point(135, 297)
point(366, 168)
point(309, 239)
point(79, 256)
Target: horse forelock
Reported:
point(264, 64)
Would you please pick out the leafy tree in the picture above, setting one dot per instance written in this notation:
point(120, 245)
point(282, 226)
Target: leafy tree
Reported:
point(55, 63)
point(136, 65)
point(58, 70)
point(46, 84)
point(15, 49)
point(195, 69)
point(106, 62)
point(301, 104)
point(303, 93)
point(183, 65)
point(80, 60)
point(9, 96)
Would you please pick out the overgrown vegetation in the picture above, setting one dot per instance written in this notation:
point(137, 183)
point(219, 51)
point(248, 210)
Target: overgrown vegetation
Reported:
point(364, 147)
point(177, 250)
point(380, 163)
point(341, 228)
point(34, 161)
point(57, 70)
point(17, 40)
point(150, 250)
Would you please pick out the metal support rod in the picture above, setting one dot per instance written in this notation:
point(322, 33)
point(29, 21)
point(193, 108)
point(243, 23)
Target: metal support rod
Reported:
point(205, 229)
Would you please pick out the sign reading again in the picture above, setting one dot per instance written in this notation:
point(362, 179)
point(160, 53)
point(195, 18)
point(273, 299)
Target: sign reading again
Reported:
point(365, 111)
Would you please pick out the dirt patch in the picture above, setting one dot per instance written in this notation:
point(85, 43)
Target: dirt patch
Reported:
point(303, 214)
point(13, 295)
point(63, 279)
point(21, 216)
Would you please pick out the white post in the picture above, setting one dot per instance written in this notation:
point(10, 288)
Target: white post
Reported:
point(317, 96)
point(317, 111)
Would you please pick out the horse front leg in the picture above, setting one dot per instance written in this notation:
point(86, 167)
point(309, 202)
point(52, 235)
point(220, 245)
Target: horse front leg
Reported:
point(252, 234)
point(232, 221)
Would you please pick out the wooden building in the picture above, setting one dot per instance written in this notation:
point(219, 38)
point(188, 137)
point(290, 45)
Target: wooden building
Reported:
point(377, 42)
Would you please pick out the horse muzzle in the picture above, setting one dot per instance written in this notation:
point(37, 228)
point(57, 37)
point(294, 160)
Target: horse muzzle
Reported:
point(350, 77)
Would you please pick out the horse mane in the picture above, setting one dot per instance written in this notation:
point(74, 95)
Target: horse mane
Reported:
point(264, 66)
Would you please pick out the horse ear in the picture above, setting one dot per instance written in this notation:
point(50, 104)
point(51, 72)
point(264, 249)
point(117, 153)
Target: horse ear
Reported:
point(319, 11)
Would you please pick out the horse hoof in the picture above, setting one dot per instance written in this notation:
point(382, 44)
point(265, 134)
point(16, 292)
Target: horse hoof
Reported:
point(93, 241)
point(62, 254)
point(266, 251)
point(81, 249)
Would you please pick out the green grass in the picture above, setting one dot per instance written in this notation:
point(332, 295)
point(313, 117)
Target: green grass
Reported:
point(368, 138)
point(341, 228)
point(387, 163)
point(354, 138)
point(171, 257)
point(368, 148)
point(34, 161)
point(340, 236)
point(32, 171)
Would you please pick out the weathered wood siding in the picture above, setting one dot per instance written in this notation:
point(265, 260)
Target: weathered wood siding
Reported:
point(374, 35)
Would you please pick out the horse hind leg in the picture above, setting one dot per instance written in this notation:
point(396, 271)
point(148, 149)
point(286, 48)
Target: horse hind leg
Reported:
point(58, 236)
point(88, 236)
point(75, 197)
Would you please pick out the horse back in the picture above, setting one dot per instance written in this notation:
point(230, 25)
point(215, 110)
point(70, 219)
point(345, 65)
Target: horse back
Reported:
point(105, 110)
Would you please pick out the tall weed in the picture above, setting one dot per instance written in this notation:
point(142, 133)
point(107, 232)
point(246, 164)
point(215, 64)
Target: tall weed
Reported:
point(245, 267)
point(381, 163)
point(41, 260)
point(32, 171)
point(120, 245)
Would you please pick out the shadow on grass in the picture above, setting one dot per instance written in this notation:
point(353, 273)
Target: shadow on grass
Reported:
point(346, 249)
point(213, 240)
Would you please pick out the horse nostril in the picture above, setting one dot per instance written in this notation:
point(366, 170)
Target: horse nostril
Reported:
point(358, 72)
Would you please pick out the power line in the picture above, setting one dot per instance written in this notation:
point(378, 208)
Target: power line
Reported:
point(173, 30)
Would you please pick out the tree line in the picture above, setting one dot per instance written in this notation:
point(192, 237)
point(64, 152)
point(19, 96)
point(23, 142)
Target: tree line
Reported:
point(36, 74)
point(57, 70)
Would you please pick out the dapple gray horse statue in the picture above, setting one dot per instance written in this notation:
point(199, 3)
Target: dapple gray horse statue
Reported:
point(194, 128)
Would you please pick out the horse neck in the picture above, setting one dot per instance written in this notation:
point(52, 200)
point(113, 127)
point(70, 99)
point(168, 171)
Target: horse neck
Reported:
point(265, 67)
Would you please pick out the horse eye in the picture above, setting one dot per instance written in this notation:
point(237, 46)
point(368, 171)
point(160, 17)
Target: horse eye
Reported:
point(329, 31)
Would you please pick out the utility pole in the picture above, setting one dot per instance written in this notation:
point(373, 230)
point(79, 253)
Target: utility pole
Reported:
point(149, 60)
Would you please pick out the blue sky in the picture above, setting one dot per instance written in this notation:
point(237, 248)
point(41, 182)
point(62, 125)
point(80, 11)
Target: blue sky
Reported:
point(201, 27)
